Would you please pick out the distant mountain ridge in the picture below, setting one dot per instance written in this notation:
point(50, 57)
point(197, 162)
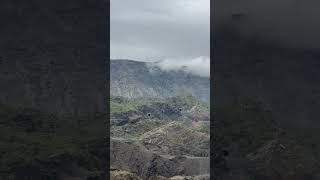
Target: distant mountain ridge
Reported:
point(134, 79)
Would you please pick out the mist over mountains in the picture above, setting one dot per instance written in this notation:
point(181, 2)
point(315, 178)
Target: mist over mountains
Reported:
point(135, 79)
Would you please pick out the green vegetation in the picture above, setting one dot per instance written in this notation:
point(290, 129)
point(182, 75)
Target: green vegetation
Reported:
point(120, 105)
point(187, 101)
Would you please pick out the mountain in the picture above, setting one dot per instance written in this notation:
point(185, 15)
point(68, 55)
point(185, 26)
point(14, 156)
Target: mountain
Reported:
point(159, 122)
point(135, 79)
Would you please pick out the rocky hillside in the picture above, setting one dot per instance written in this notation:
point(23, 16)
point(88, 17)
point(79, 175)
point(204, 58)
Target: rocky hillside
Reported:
point(166, 138)
point(135, 79)
point(130, 156)
point(134, 117)
point(176, 139)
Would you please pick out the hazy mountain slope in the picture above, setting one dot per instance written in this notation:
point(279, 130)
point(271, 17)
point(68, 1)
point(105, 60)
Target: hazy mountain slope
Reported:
point(140, 79)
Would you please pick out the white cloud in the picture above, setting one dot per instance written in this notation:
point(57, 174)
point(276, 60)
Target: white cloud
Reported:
point(199, 65)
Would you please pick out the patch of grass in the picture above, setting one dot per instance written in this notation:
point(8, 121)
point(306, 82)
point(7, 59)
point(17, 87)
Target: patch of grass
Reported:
point(119, 105)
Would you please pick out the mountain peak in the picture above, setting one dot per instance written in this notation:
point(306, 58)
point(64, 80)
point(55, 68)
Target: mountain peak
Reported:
point(135, 79)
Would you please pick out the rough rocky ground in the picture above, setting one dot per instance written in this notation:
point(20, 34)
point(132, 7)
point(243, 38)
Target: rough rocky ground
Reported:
point(124, 175)
point(145, 145)
point(175, 138)
point(129, 155)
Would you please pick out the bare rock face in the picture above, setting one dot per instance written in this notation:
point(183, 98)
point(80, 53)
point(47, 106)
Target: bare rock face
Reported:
point(53, 55)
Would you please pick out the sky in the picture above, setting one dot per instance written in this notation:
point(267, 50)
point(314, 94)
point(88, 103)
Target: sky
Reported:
point(176, 32)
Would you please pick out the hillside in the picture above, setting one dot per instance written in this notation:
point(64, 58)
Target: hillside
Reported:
point(134, 117)
point(128, 155)
point(135, 79)
point(176, 139)
point(159, 137)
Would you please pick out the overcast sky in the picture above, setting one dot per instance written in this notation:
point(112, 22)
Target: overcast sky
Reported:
point(176, 31)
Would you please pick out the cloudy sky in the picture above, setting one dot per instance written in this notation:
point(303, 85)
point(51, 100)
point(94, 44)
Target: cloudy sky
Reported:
point(175, 31)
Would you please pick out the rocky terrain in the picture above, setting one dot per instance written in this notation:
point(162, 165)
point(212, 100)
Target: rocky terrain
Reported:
point(135, 79)
point(159, 138)
point(176, 139)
